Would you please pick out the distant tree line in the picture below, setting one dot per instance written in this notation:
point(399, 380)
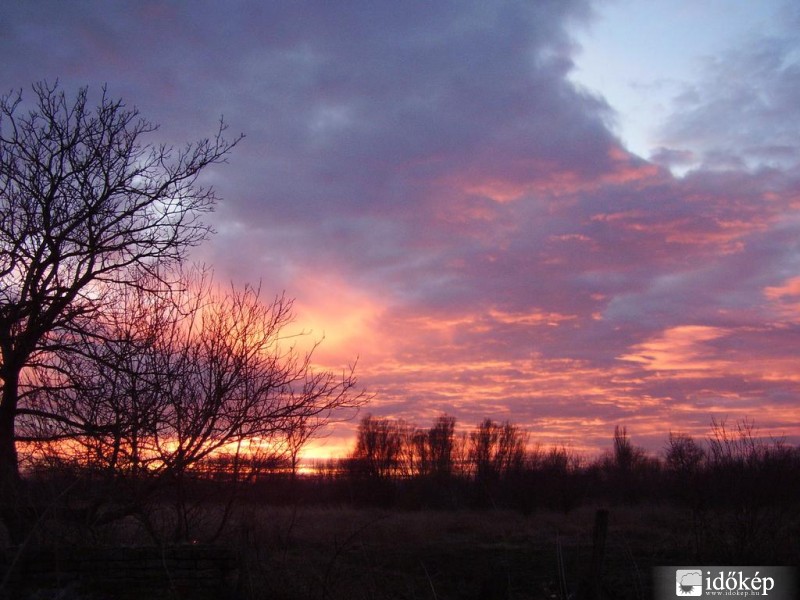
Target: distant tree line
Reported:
point(397, 464)
point(738, 492)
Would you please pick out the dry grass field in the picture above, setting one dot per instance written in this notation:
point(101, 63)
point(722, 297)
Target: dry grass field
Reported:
point(316, 552)
point(332, 553)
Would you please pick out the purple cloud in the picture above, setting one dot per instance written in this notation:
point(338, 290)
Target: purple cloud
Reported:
point(446, 204)
point(743, 112)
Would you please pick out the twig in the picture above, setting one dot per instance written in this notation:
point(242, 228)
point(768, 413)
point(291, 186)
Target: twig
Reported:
point(638, 579)
point(562, 574)
point(430, 581)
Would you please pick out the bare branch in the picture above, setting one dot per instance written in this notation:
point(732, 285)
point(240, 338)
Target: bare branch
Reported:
point(87, 206)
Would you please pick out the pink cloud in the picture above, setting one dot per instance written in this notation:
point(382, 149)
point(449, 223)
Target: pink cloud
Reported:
point(447, 206)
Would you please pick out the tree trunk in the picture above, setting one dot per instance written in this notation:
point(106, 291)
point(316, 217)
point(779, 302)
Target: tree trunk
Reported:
point(9, 467)
point(10, 481)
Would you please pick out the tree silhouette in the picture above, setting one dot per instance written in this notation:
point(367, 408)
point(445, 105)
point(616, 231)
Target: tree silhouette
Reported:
point(496, 450)
point(441, 444)
point(166, 383)
point(682, 454)
point(379, 448)
point(86, 207)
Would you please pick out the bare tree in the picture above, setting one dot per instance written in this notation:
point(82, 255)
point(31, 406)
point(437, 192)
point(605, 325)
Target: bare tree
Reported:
point(626, 456)
point(86, 206)
point(441, 442)
point(727, 447)
point(379, 447)
point(496, 450)
point(682, 454)
point(173, 382)
point(417, 449)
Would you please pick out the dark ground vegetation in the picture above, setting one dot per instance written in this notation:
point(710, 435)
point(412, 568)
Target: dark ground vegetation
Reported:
point(520, 528)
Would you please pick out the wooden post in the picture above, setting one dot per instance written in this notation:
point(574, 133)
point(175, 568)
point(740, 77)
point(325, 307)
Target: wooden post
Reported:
point(598, 550)
point(591, 587)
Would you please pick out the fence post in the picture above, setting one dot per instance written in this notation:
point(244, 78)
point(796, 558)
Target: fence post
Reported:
point(598, 549)
point(591, 587)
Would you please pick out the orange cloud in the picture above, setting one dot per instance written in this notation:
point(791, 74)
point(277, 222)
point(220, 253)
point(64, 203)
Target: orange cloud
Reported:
point(680, 349)
point(533, 318)
point(557, 400)
point(685, 352)
point(341, 316)
point(540, 176)
point(790, 288)
point(726, 235)
point(785, 299)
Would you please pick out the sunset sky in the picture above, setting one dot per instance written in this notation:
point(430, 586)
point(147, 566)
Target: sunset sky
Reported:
point(567, 214)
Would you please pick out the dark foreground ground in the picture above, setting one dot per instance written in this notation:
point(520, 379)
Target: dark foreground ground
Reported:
point(490, 554)
point(292, 553)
